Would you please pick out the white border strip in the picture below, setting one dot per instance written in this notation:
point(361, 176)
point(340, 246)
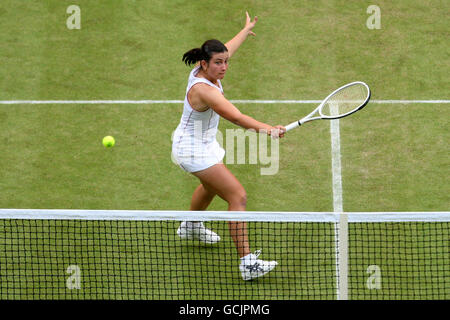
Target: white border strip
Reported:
point(263, 216)
point(232, 101)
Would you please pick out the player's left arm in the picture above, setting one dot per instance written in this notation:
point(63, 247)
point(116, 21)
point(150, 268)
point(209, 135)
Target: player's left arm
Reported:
point(238, 39)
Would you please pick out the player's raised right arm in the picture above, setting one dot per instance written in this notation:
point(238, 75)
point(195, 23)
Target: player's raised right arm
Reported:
point(239, 38)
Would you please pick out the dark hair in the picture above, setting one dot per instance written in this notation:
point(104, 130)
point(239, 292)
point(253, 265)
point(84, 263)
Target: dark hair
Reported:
point(205, 52)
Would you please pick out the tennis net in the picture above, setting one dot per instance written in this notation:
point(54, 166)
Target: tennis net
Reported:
point(93, 254)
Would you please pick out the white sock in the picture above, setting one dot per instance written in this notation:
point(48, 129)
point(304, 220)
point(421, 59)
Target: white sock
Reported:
point(193, 225)
point(248, 258)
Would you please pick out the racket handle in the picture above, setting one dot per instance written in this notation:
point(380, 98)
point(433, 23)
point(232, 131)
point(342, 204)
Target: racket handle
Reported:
point(292, 125)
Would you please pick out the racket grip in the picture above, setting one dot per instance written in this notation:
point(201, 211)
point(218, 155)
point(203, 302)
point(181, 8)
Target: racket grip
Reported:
point(292, 125)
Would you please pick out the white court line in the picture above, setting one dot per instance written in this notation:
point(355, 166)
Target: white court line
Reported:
point(336, 165)
point(232, 101)
point(341, 228)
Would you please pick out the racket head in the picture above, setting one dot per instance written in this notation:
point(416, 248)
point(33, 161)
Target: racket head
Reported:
point(346, 100)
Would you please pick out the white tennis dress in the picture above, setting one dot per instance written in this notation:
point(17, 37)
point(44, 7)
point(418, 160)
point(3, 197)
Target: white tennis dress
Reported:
point(194, 144)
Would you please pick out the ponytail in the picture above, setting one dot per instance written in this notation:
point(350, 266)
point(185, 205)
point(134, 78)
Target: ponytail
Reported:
point(192, 56)
point(204, 53)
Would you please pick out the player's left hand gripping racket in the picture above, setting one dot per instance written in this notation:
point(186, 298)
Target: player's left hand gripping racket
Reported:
point(340, 103)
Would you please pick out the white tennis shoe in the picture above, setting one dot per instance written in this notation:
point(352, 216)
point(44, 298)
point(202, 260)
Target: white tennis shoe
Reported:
point(197, 231)
point(251, 267)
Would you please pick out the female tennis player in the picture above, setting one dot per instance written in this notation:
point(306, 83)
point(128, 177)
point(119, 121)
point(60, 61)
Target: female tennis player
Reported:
point(197, 151)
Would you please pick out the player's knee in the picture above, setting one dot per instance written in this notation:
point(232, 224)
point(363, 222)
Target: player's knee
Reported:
point(243, 199)
point(239, 198)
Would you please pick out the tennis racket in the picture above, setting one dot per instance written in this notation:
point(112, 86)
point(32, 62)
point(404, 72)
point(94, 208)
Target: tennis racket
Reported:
point(340, 103)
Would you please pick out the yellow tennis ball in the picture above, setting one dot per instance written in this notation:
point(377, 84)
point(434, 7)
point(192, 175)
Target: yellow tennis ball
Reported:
point(109, 141)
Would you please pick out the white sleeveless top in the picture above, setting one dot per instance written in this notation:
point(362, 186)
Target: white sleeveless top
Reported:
point(194, 144)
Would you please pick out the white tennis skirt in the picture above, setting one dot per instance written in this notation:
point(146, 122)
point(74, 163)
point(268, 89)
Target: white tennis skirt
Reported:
point(193, 160)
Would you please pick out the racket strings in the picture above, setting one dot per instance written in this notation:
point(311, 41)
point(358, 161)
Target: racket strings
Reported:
point(345, 101)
